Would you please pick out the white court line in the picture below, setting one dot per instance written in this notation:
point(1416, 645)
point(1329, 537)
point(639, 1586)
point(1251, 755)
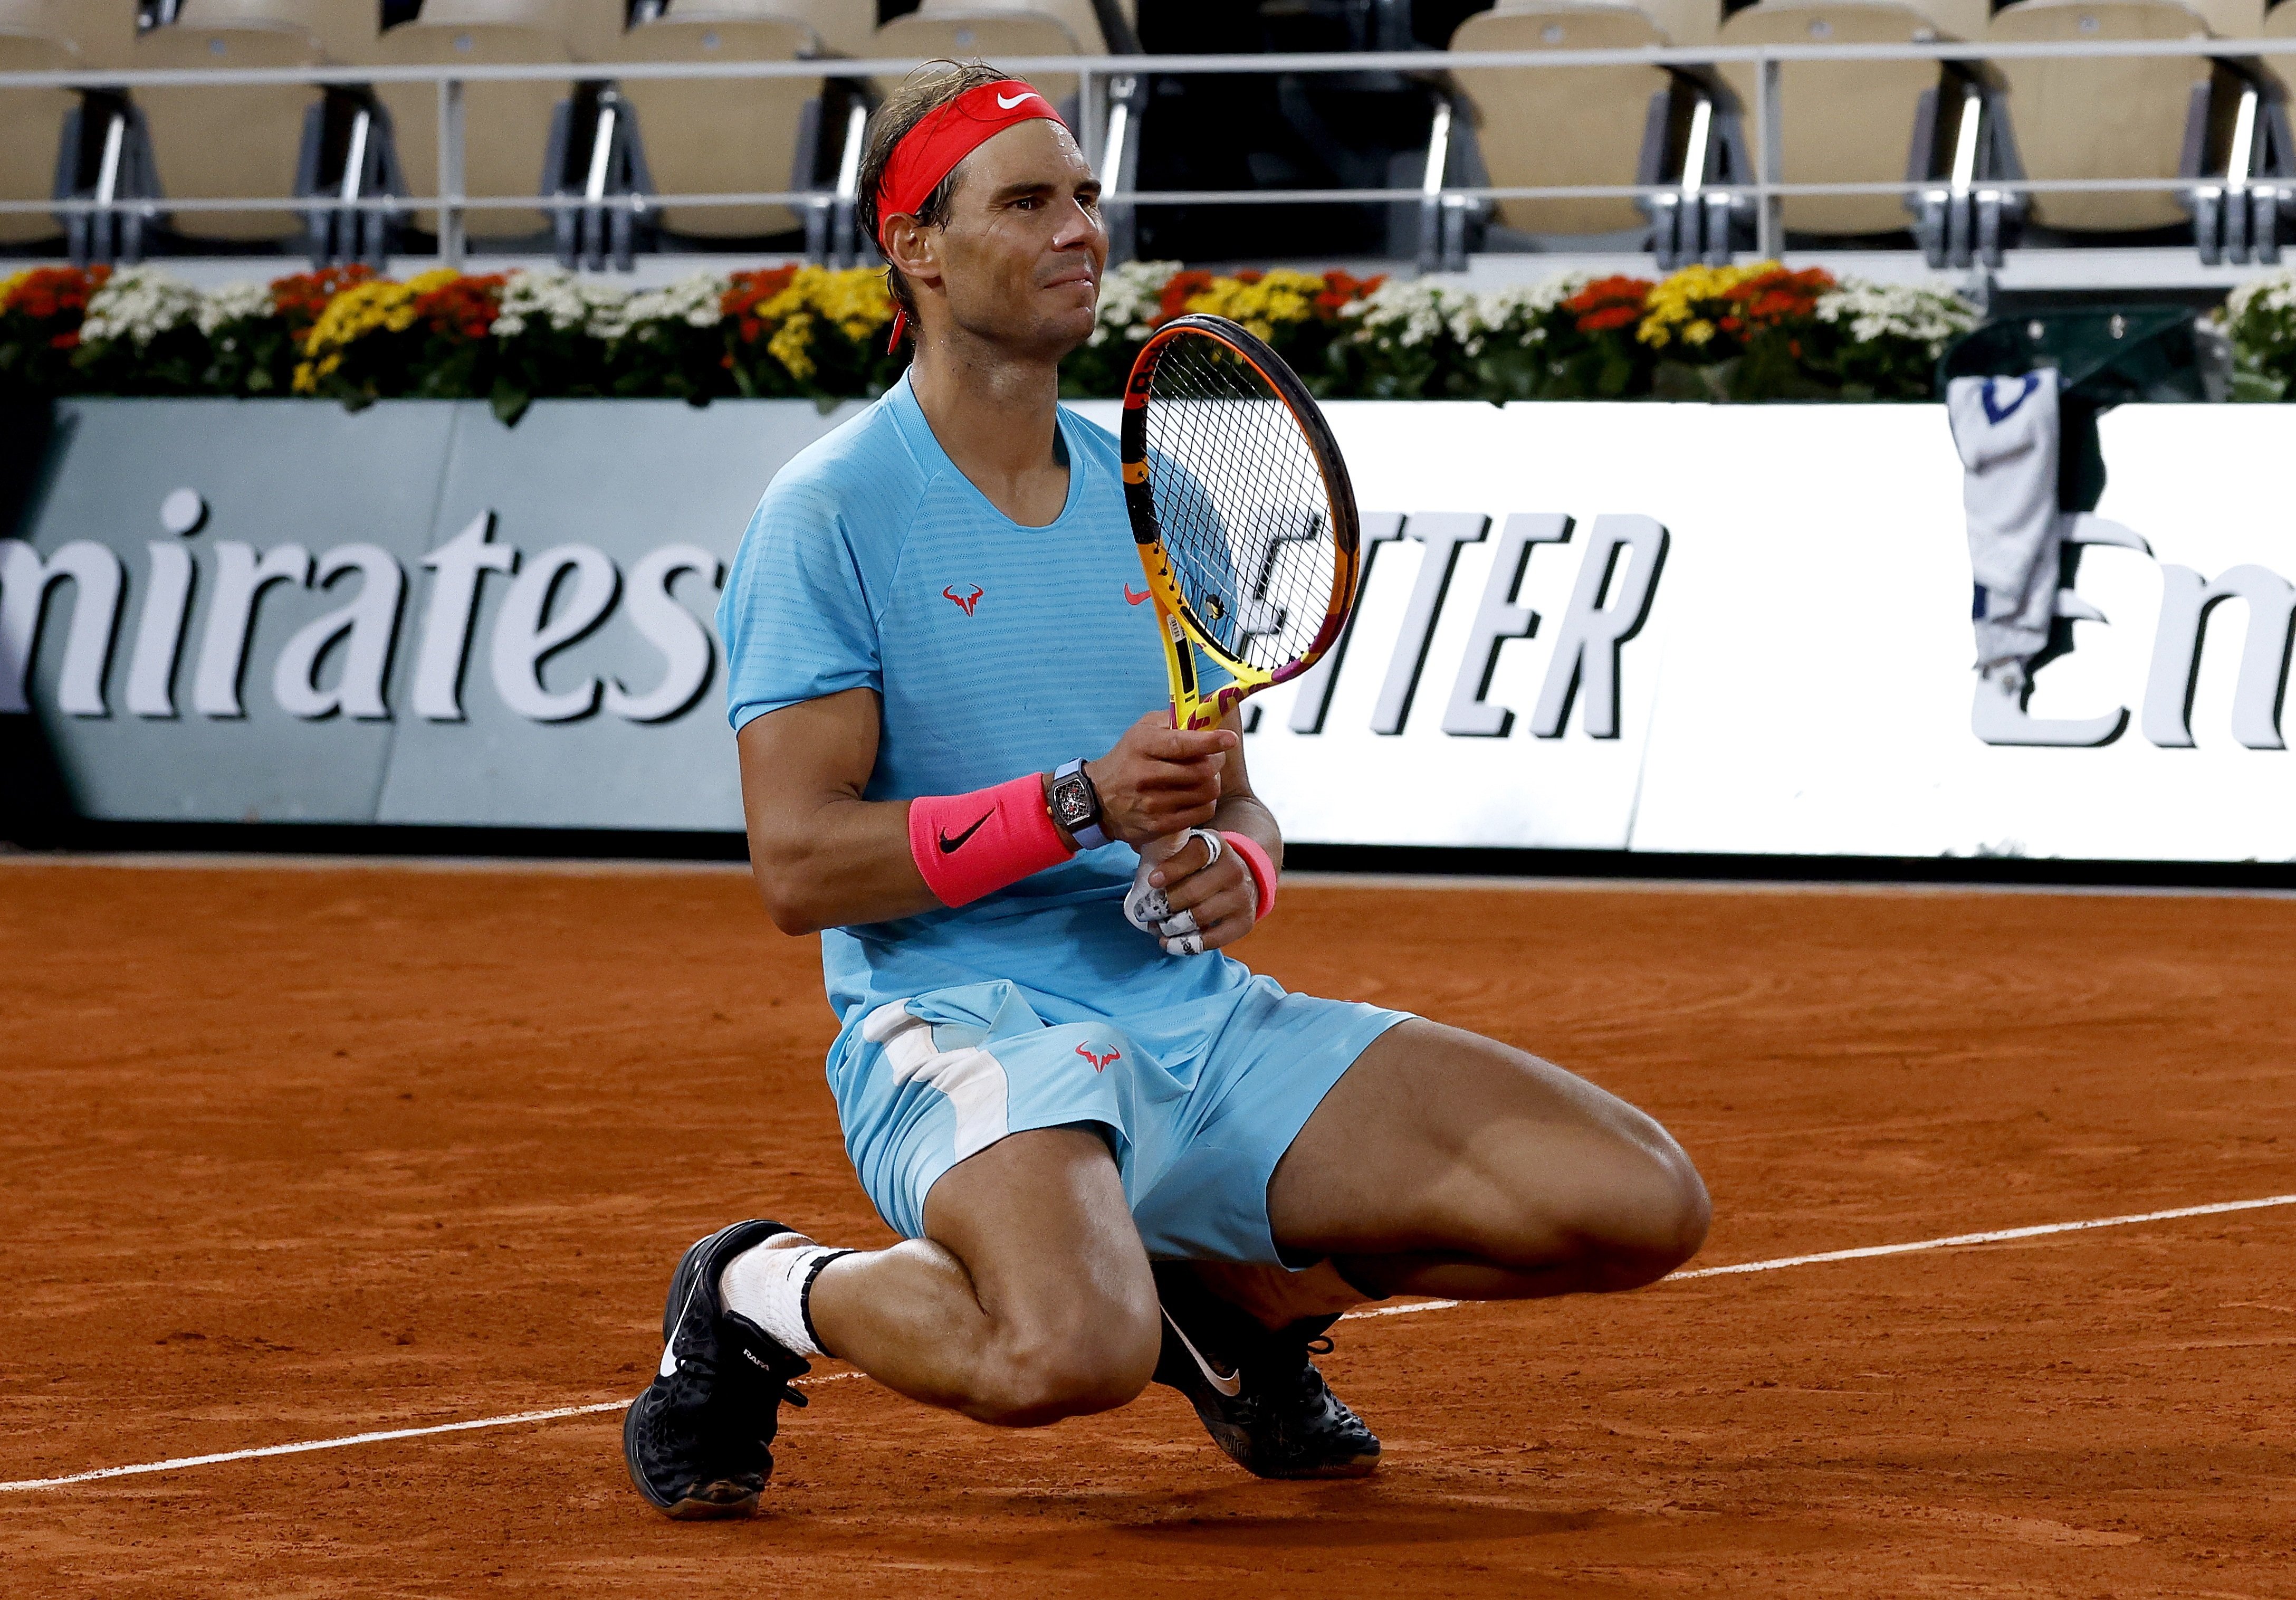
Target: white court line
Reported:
point(516, 1418)
point(512, 1420)
point(1949, 1240)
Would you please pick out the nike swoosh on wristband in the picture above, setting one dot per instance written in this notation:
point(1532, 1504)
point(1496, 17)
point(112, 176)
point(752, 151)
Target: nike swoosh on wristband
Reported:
point(950, 847)
point(1004, 104)
point(1230, 1385)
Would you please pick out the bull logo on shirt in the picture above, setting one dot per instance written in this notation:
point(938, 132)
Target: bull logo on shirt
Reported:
point(1099, 1062)
point(964, 603)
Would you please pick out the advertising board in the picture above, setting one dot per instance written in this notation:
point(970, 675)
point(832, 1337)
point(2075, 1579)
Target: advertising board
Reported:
point(1646, 626)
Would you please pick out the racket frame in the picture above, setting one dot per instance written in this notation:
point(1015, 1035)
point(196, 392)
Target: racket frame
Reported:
point(1177, 624)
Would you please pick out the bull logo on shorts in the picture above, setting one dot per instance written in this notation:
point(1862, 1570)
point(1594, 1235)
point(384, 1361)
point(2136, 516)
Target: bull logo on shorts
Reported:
point(1099, 1062)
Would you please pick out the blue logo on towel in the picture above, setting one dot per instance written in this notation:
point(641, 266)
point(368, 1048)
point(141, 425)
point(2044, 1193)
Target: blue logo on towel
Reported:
point(1998, 414)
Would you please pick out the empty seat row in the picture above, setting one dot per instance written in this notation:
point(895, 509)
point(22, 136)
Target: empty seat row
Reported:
point(696, 136)
point(1854, 121)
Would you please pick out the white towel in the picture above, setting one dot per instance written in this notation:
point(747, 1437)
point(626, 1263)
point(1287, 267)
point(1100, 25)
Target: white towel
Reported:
point(2005, 430)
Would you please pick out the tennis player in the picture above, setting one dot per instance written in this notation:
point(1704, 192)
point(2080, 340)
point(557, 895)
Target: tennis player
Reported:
point(1114, 1154)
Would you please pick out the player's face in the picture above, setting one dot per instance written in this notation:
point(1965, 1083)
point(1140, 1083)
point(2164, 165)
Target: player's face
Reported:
point(1022, 253)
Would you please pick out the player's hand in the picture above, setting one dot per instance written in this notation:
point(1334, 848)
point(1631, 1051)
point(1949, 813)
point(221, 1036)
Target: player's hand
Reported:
point(1160, 780)
point(1191, 900)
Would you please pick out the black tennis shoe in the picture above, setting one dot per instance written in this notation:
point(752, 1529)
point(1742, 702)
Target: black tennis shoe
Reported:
point(1258, 1395)
point(699, 1441)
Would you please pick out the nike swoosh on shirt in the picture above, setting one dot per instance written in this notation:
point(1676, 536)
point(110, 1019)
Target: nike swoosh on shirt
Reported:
point(1230, 1385)
point(1004, 104)
point(1132, 599)
point(951, 846)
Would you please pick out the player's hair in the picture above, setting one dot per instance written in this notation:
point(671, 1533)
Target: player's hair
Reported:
point(927, 89)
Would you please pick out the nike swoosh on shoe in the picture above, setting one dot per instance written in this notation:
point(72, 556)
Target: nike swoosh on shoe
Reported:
point(1230, 1384)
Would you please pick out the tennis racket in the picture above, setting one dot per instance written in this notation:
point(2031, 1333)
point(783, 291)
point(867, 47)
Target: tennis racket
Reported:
point(1243, 513)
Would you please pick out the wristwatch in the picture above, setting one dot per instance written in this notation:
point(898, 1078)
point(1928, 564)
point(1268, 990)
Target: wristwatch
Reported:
point(1076, 806)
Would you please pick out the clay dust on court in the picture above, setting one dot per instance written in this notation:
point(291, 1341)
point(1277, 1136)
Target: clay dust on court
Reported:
point(295, 1152)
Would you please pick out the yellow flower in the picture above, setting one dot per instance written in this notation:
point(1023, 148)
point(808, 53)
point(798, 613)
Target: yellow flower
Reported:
point(791, 343)
point(1679, 302)
point(359, 310)
point(1281, 296)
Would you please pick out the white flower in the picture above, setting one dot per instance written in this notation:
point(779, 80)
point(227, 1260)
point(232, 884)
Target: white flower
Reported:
point(1930, 317)
point(1128, 297)
point(697, 301)
point(233, 302)
point(567, 303)
point(1514, 313)
point(2269, 295)
point(1404, 313)
point(138, 304)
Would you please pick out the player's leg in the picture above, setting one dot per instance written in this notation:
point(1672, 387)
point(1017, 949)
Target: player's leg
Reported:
point(1028, 1301)
point(1449, 1164)
point(1410, 1157)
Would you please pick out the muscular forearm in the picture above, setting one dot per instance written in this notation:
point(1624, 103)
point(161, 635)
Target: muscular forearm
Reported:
point(826, 857)
point(1245, 814)
point(845, 862)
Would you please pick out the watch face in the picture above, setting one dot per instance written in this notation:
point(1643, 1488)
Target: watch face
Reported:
point(1072, 801)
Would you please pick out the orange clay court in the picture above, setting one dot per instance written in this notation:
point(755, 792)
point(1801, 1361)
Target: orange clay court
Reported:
point(295, 1153)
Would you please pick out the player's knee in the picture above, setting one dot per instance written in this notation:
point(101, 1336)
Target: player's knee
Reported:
point(1044, 1376)
point(1660, 1221)
point(1634, 1208)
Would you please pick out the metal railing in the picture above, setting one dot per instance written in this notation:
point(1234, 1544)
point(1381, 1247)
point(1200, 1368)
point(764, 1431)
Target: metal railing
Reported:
point(1108, 126)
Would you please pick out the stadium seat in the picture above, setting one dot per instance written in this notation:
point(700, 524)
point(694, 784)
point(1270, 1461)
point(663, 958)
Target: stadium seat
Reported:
point(228, 142)
point(590, 29)
point(1956, 19)
point(726, 136)
point(1851, 122)
point(508, 127)
point(844, 27)
point(1683, 21)
point(347, 30)
point(2231, 19)
point(996, 30)
point(1582, 125)
point(101, 32)
point(2119, 117)
point(31, 130)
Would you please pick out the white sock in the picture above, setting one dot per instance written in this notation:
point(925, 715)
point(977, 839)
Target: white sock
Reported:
point(768, 1284)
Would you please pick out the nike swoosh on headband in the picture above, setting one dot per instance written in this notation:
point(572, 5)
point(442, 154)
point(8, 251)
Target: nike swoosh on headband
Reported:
point(950, 846)
point(1231, 1385)
point(1004, 104)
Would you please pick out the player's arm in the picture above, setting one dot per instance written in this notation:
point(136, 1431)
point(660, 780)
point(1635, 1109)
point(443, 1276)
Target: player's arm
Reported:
point(1223, 898)
point(825, 857)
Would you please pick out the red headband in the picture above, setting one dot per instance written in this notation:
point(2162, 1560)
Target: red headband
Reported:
point(944, 136)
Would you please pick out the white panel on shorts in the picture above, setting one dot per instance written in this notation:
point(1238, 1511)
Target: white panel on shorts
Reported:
point(972, 1078)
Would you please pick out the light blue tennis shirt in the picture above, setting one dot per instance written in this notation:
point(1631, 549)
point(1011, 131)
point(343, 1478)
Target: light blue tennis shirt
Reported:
point(994, 650)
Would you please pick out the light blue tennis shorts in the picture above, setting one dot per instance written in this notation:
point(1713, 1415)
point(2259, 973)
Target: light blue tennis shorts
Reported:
point(1198, 1101)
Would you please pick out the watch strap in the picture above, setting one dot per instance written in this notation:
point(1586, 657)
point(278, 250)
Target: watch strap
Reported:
point(1089, 835)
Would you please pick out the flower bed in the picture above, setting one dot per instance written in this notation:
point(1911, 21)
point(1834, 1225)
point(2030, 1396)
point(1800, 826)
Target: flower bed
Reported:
point(1753, 332)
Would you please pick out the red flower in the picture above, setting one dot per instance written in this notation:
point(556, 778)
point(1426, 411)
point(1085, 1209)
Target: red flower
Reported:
point(1340, 289)
point(300, 297)
point(1778, 297)
point(462, 309)
point(1609, 303)
point(1179, 288)
point(747, 290)
point(49, 292)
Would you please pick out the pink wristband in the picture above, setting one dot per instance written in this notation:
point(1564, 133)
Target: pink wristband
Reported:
point(970, 845)
point(1263, 871)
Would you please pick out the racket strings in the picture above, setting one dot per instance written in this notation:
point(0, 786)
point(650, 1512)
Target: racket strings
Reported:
point(1241, 503)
